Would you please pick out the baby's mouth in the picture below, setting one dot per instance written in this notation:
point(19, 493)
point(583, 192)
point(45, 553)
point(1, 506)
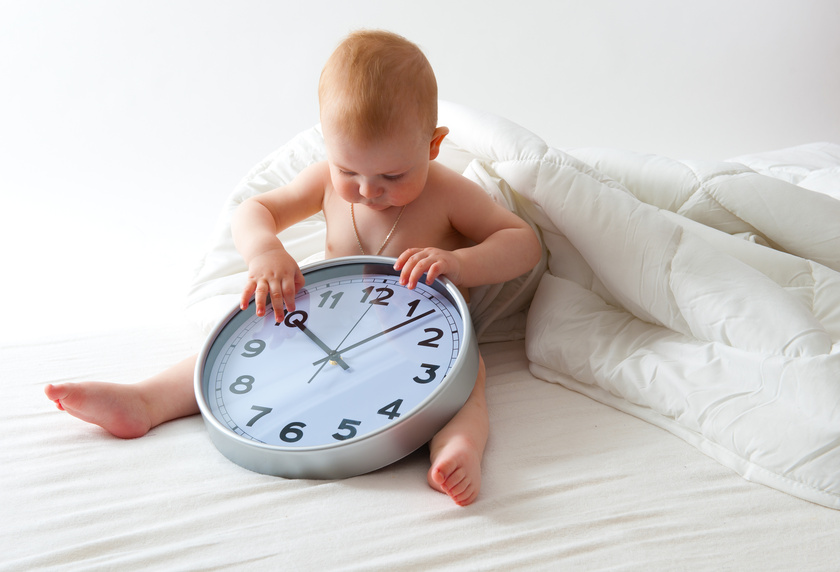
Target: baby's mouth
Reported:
point(377, 206)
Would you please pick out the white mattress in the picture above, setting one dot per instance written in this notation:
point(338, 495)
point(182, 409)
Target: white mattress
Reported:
point(569, 484)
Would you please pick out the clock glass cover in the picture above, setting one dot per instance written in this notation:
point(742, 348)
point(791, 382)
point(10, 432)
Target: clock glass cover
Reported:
point(359, 354)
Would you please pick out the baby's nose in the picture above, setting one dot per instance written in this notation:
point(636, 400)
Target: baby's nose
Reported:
point(369, 190)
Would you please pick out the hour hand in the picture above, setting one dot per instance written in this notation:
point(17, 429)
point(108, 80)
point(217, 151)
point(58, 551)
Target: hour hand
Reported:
point(298, 320)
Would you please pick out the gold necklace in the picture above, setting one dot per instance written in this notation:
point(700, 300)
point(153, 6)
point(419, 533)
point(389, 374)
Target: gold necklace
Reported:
point(387, 238)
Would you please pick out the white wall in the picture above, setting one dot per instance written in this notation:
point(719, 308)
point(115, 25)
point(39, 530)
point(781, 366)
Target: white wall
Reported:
point(123, 125)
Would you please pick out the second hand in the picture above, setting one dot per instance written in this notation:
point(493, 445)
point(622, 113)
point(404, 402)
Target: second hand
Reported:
point(333, 356)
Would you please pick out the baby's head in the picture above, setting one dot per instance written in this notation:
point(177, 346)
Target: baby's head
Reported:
point(377, 85)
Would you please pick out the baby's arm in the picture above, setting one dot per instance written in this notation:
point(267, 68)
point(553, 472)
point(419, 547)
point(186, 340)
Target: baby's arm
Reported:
point(272, 272)
point(505, 245)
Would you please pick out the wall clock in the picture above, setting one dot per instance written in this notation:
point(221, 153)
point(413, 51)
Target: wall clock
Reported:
point(361, 374)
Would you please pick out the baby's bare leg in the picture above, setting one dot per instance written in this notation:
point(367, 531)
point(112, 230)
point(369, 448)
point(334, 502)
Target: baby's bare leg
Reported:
point(457, 449)
point(129, 411)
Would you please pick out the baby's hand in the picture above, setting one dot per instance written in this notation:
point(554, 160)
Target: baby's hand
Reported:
point(272, 275)
point(433, 261)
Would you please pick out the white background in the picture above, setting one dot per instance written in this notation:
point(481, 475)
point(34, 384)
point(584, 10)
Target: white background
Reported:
point(124, 125)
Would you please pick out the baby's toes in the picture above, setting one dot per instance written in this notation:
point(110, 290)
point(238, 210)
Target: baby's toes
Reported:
point(446, 473)
point(466, 497)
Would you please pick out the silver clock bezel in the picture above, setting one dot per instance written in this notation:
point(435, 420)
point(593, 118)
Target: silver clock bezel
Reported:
point(364, 453)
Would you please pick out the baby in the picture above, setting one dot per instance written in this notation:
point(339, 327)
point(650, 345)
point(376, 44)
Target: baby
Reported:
point(381, 192)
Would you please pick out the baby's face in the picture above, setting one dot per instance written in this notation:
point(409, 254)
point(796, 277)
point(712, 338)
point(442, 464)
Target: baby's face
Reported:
point(390, 172)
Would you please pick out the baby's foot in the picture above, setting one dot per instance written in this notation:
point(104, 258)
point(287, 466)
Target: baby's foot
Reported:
point(114, 407)
point(456, 470)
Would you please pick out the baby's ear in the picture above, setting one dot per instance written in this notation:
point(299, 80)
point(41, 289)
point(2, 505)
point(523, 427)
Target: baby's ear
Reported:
point(437, 138)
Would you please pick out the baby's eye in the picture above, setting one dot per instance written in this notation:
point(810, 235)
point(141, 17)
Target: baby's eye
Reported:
point(394, 177)
point(347, 173)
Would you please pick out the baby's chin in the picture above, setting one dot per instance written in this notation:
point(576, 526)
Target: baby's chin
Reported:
point(378, 206)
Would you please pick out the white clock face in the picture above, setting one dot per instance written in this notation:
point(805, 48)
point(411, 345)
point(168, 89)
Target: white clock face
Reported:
point(359, 353)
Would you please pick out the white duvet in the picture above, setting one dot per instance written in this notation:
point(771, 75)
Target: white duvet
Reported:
point(701, 297)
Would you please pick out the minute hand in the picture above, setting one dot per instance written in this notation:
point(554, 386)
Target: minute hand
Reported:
point(374, 336)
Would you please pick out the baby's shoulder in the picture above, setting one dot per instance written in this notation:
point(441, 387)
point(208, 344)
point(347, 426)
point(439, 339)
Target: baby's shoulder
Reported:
point(443, 177)
point(319, 170)
point(312, 179)
point(445, 182)
point(308, 187)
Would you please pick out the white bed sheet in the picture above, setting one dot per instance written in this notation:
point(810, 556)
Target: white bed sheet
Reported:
point(568, 483)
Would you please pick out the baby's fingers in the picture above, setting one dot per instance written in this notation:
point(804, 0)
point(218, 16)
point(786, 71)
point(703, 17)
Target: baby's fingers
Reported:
point(405, 256)
point(414, 268)
point(247, 292)
point(428, 266)
point(435, 270)
point(283, 294)
point(261, 293)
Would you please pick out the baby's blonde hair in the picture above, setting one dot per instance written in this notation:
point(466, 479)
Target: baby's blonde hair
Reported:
point(376, 81)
